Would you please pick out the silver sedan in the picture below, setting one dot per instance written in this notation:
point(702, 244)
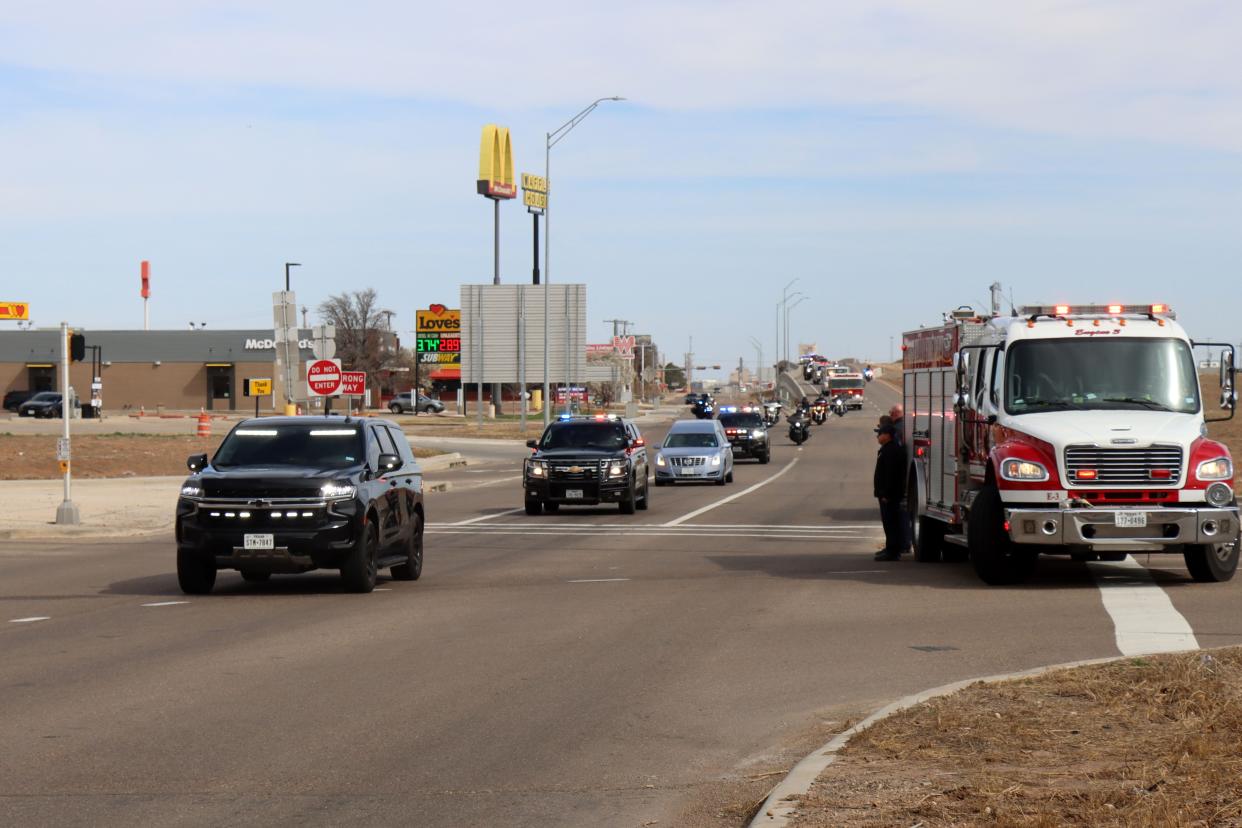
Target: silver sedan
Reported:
point(695, 450)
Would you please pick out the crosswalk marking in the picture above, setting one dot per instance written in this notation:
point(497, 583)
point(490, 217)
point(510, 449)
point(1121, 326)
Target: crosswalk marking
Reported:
point(822, 534)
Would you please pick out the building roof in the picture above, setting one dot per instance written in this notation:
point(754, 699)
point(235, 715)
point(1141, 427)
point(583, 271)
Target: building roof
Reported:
point(43, 346)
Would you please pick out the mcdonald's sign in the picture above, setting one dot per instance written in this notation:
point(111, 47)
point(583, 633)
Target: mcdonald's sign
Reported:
point(496, 163)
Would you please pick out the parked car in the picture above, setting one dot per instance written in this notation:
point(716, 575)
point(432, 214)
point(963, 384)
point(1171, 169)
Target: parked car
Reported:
point(292, 494)
point(14, 399)
point(402, 404)
point(695, 450)
point(587, 461)
point(43, 404)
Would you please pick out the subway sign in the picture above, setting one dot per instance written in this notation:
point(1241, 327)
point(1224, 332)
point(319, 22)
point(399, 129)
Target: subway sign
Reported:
point(437, 336)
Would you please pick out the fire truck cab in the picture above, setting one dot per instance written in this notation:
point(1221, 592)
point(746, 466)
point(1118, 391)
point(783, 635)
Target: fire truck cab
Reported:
point(1071, 430)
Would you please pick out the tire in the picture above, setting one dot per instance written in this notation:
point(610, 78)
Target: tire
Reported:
point(627, 502)
point(660, 482)
point(360, 570)
point(195, 575)
point(997, 560)
point(534, 507)
point(394, 408)
point(551, 508)
point(412, 569)
point(1213, 562)
point(928, 540)
point(252, 576)
point(765, 458)
point(729, 476)
point(645, 503)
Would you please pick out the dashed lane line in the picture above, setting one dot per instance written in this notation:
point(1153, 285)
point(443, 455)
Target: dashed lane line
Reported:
point(30, 620)
point(597, 580)
point(165, 603)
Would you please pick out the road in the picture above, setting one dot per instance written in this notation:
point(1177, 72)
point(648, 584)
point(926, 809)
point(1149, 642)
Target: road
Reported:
point(569, 669)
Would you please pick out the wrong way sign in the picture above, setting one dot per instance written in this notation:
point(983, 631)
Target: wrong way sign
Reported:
point(353, 383)
point(323, 377)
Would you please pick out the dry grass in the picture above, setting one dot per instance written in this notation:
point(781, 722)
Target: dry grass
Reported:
point(1151, 741)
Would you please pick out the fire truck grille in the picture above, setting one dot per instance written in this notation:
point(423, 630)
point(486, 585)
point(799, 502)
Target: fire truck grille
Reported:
point(1093, 466)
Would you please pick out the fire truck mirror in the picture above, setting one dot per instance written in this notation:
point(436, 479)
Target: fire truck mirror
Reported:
point(959, 401)
point(1228, 395)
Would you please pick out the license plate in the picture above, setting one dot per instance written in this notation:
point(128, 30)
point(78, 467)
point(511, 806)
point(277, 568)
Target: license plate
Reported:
point(687, 470)
point(259, 542)
point(573, 494)
point(1130, 520)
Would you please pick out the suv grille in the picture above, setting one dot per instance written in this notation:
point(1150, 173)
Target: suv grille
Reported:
point(1157, 465)
point(571, 470)
point(261, 492)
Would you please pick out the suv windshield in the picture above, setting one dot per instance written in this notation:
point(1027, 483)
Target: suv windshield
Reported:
point(319, 445)
point(45, 396)
point(1056, 374)
point(741, 421)
point(691, 439)
point(836, 384)
point(598, 436)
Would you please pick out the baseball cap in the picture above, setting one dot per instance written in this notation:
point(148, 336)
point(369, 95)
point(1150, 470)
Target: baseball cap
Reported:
point(886, 429)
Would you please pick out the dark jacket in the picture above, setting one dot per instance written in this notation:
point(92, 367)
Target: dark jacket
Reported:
point(900, 437)
point(890, 472)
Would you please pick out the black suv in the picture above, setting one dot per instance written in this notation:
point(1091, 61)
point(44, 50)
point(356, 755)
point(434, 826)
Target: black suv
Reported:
point(586, 461)
point(292, 494)
point(747, 432)
point(13, 399)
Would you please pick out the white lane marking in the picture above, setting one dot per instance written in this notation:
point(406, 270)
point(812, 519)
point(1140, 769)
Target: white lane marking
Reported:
point(166, 603)
point(732, 497)
point(382, 589)
point(486, 517)
point(30, 619)
point(490, 483)
point(692, 527)
point(586, 530)
point(597, 580)
point(1143, 616)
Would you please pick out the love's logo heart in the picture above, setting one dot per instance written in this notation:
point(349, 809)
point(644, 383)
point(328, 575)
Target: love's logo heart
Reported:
point(438, 310)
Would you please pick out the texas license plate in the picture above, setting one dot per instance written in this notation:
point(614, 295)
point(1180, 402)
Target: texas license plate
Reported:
point(259, 542)
point(1130, 520)
point(573, 494)
point(687, 470)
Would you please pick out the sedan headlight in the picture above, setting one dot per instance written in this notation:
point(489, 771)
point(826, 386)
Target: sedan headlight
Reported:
point(1221, 468)
point(616, 470)
point(660, 460)
point(191, 491)
point(337, 491)
point(715, 459)
point(1023, 470)
point(537, 468)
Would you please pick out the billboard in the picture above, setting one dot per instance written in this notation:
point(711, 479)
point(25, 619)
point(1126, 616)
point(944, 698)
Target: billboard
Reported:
point(496, 164)
point(502, 333)
point(437, 340)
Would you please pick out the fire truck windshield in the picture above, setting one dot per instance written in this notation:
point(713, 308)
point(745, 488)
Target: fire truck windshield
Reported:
point(1113, 374)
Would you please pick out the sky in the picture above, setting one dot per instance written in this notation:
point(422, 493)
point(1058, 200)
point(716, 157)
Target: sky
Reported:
point(895, 158)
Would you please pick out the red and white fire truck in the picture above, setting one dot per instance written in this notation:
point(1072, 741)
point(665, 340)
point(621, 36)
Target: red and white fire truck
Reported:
point(851, 386)
point(1072, 430)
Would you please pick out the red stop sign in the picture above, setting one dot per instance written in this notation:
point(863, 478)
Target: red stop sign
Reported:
point(323, 377)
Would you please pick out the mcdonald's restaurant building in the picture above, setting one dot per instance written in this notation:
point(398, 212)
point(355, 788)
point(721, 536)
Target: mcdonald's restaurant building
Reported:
point(184, 370)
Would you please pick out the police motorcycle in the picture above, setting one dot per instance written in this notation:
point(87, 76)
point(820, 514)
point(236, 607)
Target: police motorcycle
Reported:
point(808, 370)
point(868, 374)
point(704, 408)
point(799, 426)
point(819, 410)
point(771, 413)
point(838, 405)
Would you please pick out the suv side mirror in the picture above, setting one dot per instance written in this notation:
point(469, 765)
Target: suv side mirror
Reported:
point(532, 444)
point(196, 462)
point(389, 462)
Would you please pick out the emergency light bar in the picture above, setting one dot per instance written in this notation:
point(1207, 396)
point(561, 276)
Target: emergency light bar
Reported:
point(1032, 311)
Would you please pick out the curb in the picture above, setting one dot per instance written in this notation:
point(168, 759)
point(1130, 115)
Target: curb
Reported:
point(440, 462)
point(781, 805)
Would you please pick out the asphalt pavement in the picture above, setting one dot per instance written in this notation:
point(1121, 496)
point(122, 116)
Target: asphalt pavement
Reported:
point(578, 668)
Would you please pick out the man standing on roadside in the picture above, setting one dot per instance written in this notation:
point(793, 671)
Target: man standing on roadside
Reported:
point(889, 484)
point(898, 415)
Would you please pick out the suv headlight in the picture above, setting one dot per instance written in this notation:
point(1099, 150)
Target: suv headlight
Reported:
point(337, 491)
point(537, 468)
point(715, 459)
point(191, 491)
point(616, 469)
point(1221, 468)
point(1023, 470)
point(758, 432)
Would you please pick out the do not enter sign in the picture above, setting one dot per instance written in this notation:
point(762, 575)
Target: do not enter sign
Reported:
point(323, 377)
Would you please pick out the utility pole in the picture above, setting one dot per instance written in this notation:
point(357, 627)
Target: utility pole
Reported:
point(304, 323)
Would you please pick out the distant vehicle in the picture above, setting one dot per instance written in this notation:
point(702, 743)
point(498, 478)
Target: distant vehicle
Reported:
point(403, 404)
point(747, 431)
point(695, 450)
point(584, 461)
point(292, 494)
point(14, 399)
point(799, 426)
point(704, 407)
point(850, 386)
point(691, 399)
point(44, 404)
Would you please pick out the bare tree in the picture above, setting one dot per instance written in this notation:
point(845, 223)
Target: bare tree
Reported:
point(360, 327)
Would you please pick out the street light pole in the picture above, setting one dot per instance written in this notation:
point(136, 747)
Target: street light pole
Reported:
point(788, 308)
point(777, 350)
point(552, 139)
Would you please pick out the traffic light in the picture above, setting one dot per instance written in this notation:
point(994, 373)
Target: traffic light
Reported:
point(77, 347)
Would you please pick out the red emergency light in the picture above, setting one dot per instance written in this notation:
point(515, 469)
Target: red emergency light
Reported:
point(1086, 474)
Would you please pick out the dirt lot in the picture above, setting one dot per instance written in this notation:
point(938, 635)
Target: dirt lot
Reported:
point(1141, 742)
point(33, 457)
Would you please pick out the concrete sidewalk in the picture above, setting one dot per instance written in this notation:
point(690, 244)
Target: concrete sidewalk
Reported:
point(118, 507)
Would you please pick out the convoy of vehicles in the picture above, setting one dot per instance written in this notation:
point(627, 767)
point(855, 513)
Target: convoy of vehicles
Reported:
point(293, 494)
point(585, 461)
point(695, 451)
point(1066, 429)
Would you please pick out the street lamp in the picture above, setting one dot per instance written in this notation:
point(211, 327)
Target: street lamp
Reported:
point(779, 305)
point(552, 139)
point(758, 346)
point(788, 308)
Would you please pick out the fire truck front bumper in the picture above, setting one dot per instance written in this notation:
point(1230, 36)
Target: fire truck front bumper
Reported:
point(1123, 529)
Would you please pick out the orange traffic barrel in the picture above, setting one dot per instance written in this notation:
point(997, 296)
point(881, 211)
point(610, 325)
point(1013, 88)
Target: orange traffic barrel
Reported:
point(204, 424)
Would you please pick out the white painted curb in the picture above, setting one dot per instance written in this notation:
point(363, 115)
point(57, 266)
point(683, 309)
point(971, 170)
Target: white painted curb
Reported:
point(781, 805)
